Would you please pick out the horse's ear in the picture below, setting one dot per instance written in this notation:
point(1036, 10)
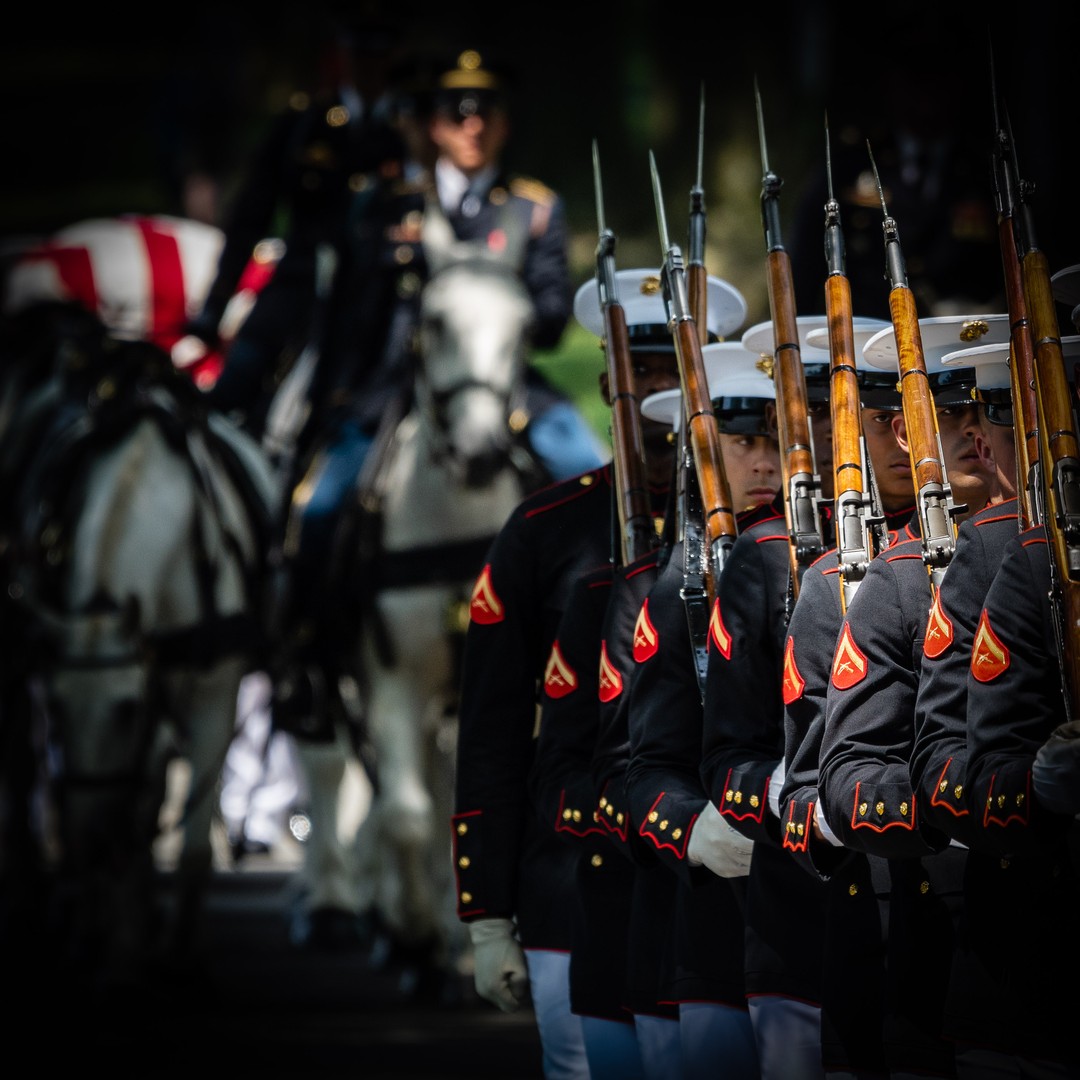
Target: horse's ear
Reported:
point(440, 243)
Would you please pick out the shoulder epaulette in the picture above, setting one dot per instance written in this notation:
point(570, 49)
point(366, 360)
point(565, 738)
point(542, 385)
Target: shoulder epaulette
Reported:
point(524, 187)
point(560, 493)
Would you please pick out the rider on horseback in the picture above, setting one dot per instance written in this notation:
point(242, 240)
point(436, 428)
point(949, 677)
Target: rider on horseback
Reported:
point(368, 319)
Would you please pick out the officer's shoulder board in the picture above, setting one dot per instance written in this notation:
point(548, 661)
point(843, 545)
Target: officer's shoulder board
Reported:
point(525, 187)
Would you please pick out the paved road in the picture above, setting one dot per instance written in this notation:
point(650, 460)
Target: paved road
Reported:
point(262, 1006)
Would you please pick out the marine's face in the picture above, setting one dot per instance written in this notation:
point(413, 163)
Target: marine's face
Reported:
point(888, 458)
point(996, 445)
point(752, 469)
point(971, 481)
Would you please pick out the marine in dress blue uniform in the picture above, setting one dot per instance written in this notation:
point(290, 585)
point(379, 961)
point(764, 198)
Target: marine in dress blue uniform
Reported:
point(846, 915)
point(1015, 706)
point(742, 745)
point(668, 804)
point(516, 876)
point(978, 1010)
point(865, 789)
point(631, 975)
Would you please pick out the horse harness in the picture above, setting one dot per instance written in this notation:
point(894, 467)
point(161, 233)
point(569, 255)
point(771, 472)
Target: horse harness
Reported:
point(446, 562)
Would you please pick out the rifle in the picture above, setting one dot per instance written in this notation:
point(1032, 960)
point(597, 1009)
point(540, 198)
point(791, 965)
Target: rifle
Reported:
point(860, 526)
point(1056, 491)
point(634, 507)
point(803, 503)
point(933, 495)
point(1007, 196)
point(713, 542)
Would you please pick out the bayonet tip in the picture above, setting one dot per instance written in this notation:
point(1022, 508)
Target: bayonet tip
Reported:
point(701, 136)
point(877, 179)
point(658, 197)
point(761, 127)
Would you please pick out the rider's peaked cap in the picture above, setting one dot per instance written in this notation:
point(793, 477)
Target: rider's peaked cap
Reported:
point(941, 335)
point(813, 348)
point(470, 83)
point(739, 388)
point(640, 294)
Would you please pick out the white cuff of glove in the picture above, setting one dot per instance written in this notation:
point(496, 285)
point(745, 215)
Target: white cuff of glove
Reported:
point(499, 969)
point(823, 825)
point(188, 350)
point(715, 844)
point(775, 784)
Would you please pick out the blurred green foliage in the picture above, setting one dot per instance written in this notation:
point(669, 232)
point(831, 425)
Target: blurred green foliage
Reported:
point(574, 366)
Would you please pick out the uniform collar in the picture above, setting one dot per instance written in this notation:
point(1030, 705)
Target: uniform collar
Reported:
point(453, 184)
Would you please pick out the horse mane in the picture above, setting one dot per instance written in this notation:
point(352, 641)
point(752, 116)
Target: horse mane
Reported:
point(442, 248)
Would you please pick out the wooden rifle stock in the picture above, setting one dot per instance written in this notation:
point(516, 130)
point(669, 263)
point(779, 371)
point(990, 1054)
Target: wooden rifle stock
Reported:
point(1060, 472)
point(1057, 493)
point(802, 503)
point(933, 496)
point(857, 540)
point(636, 530)
point(637, 536)
point(1022, 348)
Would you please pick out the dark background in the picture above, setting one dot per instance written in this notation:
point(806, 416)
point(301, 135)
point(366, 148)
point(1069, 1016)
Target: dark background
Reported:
point(102, 113)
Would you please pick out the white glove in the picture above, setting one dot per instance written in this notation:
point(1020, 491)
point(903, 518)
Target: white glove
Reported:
point(823, 827)
point(188, 350)
point(715, 844)
point(1055, 773)
point(775, 784)
point(499, 969)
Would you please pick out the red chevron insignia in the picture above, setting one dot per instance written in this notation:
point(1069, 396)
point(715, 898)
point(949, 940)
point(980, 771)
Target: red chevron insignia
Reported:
point(485, 607)
point(718, 632)
point(610, 679)
point(794, 684)
point(939, 629)
point(849, 663)
point(560, 678)
point(989, 658)
point(646, 640)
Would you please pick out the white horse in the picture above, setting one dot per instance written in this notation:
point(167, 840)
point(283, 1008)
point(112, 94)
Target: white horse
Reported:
point(139, 568)
point(443, 481)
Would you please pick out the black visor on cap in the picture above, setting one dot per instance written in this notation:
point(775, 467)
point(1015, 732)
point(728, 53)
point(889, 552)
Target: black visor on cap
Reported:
point(741, 415)
point(817, 382)
point(654, 337)
point(997, 404)
point(952, 387)
point(650, 337)
point(878, 390)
